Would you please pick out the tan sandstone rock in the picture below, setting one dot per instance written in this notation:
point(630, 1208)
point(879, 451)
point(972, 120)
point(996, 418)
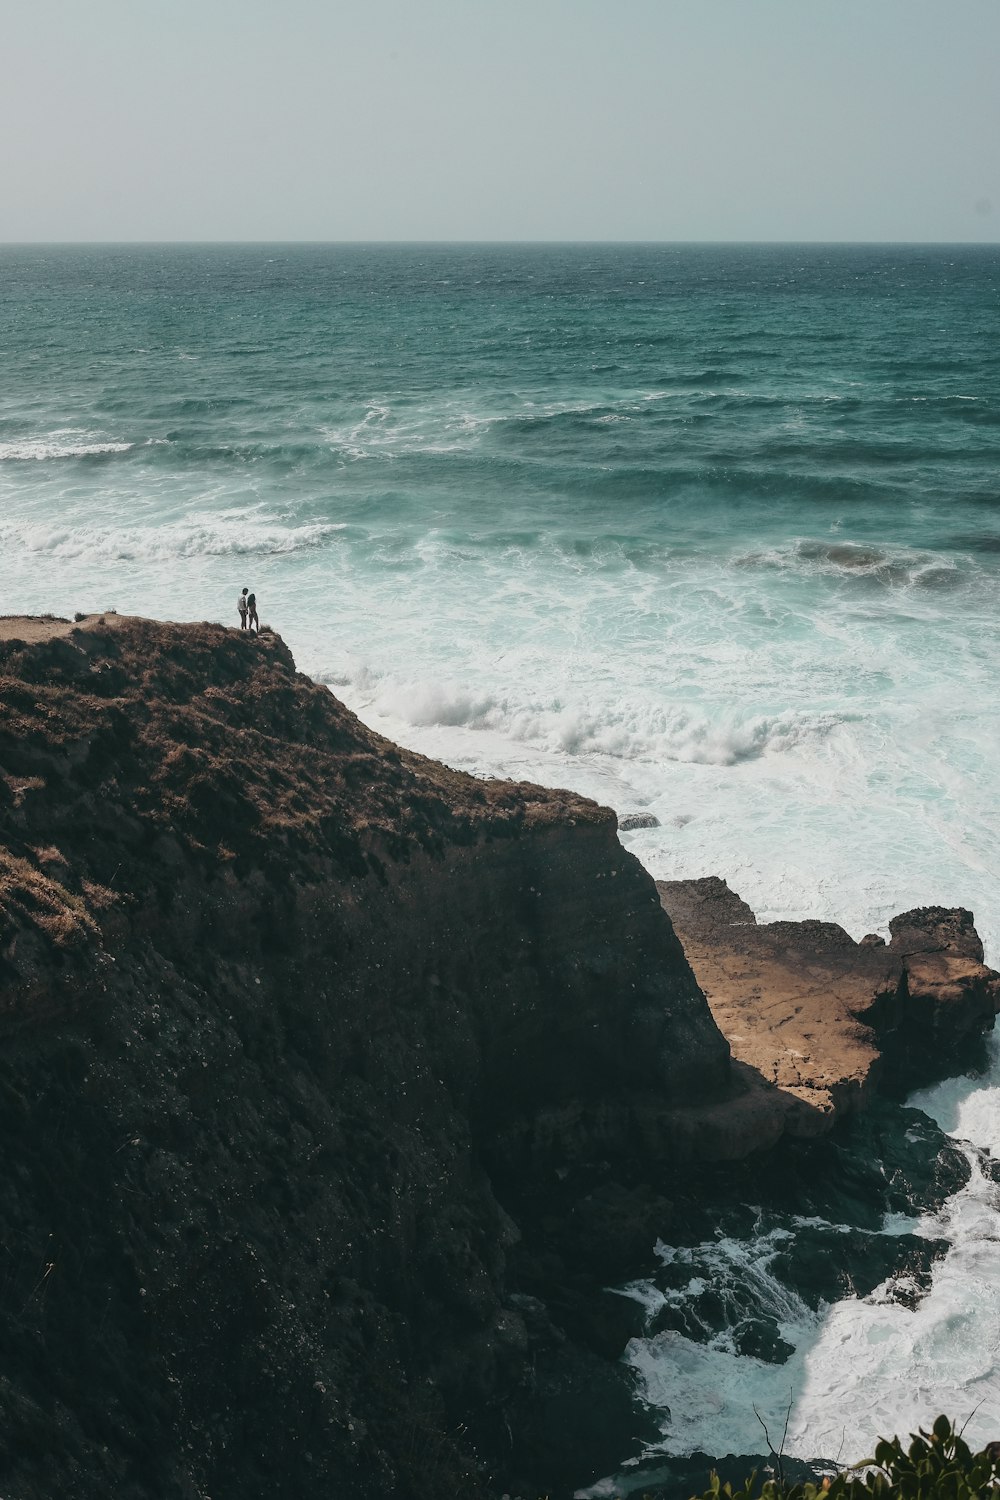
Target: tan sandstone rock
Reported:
point(815, 1018)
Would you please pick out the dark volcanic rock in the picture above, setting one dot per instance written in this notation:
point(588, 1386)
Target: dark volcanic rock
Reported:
point(554, 1437)
point(629, 821)
point(273, 994)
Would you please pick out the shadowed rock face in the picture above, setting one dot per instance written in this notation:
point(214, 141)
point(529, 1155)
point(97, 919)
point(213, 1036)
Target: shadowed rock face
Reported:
point(273, 992)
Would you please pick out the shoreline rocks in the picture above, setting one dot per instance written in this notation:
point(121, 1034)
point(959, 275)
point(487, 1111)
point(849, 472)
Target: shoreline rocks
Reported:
point(817, 1021)
point(627, 822)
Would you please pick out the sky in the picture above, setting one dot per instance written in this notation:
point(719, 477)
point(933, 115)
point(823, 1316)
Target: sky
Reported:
point(500, 120)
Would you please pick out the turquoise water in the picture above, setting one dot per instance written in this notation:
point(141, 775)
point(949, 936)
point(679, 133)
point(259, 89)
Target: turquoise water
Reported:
point(709, 532)
point(712, 533)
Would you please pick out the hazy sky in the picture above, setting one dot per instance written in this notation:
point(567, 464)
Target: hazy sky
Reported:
point(500, 119)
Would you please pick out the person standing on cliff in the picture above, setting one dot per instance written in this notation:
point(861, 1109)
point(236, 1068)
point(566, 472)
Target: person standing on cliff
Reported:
point(241, 605)
point(252, 619)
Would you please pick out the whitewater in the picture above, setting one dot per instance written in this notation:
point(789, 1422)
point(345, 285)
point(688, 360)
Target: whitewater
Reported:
point(709, 534)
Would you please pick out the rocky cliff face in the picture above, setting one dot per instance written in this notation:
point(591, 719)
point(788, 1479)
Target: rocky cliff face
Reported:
point(274, 995)
point(332, 1083)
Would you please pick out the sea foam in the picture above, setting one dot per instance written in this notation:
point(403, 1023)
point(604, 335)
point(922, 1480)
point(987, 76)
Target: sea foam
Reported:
point(166, 543)
point(58, 446)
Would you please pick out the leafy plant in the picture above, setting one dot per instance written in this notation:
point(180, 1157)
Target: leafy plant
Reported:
point(937, 1465)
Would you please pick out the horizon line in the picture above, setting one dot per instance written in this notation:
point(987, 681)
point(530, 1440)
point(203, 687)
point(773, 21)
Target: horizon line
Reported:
point(520, 243)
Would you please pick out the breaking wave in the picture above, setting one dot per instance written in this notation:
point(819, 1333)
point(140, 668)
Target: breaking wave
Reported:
point(58, 445)
point(645, 732)
point(849, 1370)
point(191, 538)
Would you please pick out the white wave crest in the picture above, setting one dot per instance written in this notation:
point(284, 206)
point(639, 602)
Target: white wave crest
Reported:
point(392, 435)
point(454, 425)
point(191, 538)
point(643, 732)
point(58, 445)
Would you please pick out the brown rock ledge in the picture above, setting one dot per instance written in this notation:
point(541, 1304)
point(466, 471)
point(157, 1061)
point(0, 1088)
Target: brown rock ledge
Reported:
point(815, 1020)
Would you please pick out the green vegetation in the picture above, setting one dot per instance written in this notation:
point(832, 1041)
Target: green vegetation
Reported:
point(938, 1465)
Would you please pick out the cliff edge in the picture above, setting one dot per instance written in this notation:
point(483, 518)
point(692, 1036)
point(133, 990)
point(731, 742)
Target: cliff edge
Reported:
point(272, 991)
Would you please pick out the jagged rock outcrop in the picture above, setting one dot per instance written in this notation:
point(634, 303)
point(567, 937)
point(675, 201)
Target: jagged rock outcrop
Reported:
point(819, 1019)
point(272, 994)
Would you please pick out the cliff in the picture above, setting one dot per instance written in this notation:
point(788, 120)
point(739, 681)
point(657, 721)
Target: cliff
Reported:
point(273, 994)
point(317, 1058)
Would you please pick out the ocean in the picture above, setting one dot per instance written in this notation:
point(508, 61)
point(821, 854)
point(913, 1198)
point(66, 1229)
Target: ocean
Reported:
point(709, 533)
